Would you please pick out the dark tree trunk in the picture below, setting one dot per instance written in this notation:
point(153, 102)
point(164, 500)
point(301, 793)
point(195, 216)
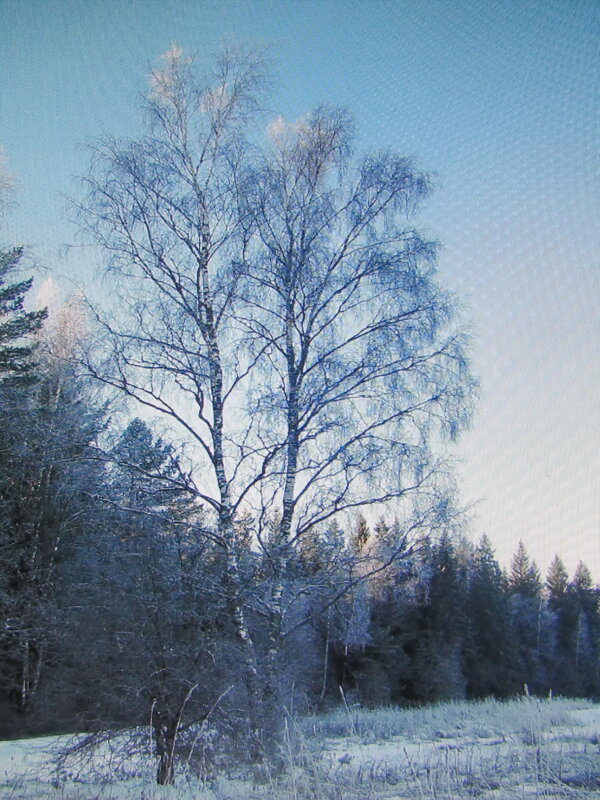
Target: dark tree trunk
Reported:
point(165, 731)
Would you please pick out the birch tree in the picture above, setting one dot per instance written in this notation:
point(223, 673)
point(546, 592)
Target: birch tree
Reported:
point(364, 363)
point(165, 208)
point(278, 307)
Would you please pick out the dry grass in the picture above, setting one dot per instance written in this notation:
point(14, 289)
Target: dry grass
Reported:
point(526, 748)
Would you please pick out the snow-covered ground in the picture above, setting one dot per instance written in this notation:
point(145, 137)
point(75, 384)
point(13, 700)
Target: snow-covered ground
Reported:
point(522, 749)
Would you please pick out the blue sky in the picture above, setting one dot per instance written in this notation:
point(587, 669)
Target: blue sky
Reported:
point(499, 100)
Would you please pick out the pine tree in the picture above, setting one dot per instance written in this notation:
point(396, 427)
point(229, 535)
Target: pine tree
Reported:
point(381, 530)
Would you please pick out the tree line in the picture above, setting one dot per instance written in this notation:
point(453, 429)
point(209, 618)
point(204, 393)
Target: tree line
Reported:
point(277, 317)
point(115, 595)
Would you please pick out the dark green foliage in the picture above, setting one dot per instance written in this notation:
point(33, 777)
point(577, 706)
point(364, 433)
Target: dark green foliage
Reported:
point(489, 650)
point(438, 672)
point(15, 323)
point(123, 613)
point(451, 625)
point(531, 624)
point(557, 581)
point(579, 620)
point(524, 578)
point(27, 529)
point(582, 580)
point(47, 477)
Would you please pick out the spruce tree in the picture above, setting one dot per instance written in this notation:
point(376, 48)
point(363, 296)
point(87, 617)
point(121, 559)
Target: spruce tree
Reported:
point(489, 651)
point(16, 324)
point(531, 624)
point(584, 605)
point(582, 579)
point(438, 663)
point(524, 578)
point(160, 649)
point(48, 475)
point(557, 581)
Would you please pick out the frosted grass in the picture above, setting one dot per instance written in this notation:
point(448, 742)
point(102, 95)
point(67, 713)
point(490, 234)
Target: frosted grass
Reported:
point(520, 749)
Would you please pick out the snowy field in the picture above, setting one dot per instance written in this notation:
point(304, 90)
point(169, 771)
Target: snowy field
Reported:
point(526, 748)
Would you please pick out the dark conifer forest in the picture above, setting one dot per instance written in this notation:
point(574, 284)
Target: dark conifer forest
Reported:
point(114, 589)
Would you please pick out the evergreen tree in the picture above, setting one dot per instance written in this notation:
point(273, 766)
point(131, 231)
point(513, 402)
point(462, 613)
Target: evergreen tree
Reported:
point(15, 323)
point(585, 632)
point(381, 531)
point(556, 585)
point(582, 579)
point(489, 652)
point(557, 581)
point(159, 649)
point(524, 578)
point(396, 626)
point(47, 477)
point(438, 661)
point(532, 625)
